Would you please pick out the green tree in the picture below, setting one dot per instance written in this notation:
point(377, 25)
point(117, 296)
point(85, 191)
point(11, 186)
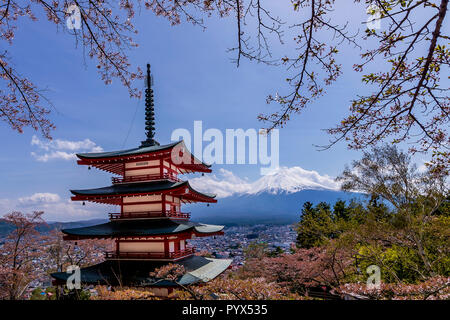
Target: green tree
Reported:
point(341, 211)
point(275, 252)
point(316, 225)
point(411, 242)
point(256, 250)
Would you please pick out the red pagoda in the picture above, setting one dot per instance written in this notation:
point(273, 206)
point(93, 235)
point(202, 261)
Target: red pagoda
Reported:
point(150, 229)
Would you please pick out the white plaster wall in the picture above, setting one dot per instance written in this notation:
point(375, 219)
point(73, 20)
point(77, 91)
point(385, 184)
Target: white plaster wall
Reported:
point(141, 246)
point(141, 172)
point(142, 207)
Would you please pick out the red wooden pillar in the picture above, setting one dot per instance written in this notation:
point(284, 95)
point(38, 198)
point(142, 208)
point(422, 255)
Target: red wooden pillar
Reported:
point(163, 198)
point(166, 246)
point(121, 207)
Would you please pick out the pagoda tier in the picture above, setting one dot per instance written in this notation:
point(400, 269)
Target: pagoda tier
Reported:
point(136, 273)
point(155, 192)
point(162, 239)
point(146, 163)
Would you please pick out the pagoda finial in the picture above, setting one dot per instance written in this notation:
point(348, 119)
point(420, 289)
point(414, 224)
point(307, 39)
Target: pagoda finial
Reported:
point(149, 113)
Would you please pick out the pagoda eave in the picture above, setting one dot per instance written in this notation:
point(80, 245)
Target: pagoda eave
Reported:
point(136, 273)
point(118, 167)
point(186, 236)
point(114, 194)
point(117, 200)
point(114, 161)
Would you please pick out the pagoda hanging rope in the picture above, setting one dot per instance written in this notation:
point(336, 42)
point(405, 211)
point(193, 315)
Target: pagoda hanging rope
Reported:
point(132, 121)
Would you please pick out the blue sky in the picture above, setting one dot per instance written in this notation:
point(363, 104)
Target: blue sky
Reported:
point(194, 80)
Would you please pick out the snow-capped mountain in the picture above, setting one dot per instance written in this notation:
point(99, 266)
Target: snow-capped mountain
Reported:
point(290, 180)
point(282, 180)
point(264, 207)
point(274, 199)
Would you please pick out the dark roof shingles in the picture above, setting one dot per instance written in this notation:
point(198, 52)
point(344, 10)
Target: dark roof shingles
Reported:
point(137, 272)
point(141, 228)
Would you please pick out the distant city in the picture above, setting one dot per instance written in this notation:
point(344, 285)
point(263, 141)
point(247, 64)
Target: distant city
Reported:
point(236, 239)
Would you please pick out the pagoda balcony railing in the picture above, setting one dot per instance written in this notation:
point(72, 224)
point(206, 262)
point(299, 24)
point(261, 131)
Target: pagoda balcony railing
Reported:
point(150, 214)
point(188, 251)
point(145, 177)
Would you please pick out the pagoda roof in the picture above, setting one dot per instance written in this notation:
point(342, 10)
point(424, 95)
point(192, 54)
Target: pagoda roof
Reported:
point(107, 194)
point(136, 273)
point(140, 228)
point(113, 161)
point(127, 152)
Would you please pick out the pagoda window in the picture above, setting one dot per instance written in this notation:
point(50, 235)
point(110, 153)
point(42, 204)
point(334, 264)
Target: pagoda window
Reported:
point(182, 244)
point(171, 246)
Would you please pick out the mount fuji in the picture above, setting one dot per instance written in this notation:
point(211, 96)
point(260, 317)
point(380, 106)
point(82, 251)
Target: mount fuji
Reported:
point(273, 199)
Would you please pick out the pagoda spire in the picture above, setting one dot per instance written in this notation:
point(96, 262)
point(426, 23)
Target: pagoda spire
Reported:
point(149, 113)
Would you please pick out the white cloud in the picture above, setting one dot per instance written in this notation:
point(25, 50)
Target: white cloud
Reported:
point(282, 179)
point(53, 155)
point(61, 149)
point(39, 198)
point(223, 186)
point(421, 165)
point(55, 207)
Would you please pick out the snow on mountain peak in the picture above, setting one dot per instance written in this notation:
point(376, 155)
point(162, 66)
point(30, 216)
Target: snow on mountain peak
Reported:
point(292, 179)
point(281, 180)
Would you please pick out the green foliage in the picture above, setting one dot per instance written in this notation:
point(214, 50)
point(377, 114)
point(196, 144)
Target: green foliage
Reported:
point(379, 236)
point(76, 294)
point(40, 294)
point(444, 208)
point(256, 250)
point(320, 224)
point(316, 225)
point(396, 263)
point(276, 252)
